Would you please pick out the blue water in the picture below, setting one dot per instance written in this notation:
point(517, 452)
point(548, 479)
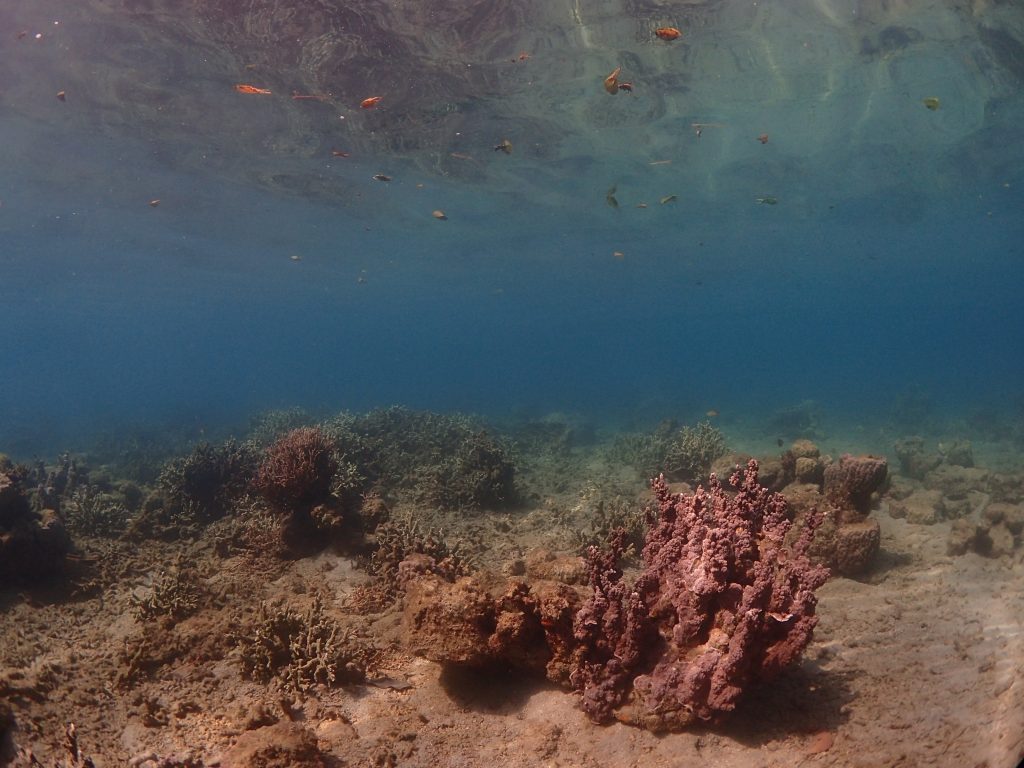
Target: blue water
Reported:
point(893, 261)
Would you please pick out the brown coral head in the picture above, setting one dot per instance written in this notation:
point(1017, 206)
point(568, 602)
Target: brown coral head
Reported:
point(297, 470)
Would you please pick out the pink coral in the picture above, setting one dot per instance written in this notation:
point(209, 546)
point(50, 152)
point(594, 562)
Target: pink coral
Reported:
point(722, 602)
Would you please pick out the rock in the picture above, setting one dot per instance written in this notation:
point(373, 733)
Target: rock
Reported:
point(542, 564)
point(958, 453)
point(850, 482)
point(447, 622)
point(920, 508)
point(283, 745)
point(1000, 541)
point(1007, 487)
point(804, 449)
point(963, 537)
point(955, 482)
point(856, 546)
point(1012, 515)
point(915, 462)
point(809, 470)
point(953, 509)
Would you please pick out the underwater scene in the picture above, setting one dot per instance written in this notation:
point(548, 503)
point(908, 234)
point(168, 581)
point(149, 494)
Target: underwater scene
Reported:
point(561, 383)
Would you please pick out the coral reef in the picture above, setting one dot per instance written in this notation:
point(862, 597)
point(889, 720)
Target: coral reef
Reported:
point(297, 470)
point(720, 604)
point(850, 482)
point(301, 649)
point(33, 544)
point(203, 485)
point(92, 513)
point(691, 451)
point(450, 462)
point(683, 454)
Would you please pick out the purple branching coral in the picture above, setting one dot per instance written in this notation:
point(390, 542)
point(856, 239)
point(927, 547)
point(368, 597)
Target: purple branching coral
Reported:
point(722, 602)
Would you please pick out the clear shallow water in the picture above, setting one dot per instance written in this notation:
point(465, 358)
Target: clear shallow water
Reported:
point(890, 263)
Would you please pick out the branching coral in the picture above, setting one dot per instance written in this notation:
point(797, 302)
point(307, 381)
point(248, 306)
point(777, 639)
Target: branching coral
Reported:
point(721, 603)
point(301, 649)
point(691, 451)
point(297, 470)
point(205, 483)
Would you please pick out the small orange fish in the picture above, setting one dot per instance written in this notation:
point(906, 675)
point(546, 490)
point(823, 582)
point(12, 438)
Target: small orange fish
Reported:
point(370, 103)
point(338, 153)
point(668, 33)
point(251, 90)
point(763, 138)
point(523, 56)
point(611, 83)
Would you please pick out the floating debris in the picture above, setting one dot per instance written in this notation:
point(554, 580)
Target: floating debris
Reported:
point(609, 197)
point(251, 90)
point(668, 33)
point(296, 96)
point(504, 146)
point(381, 177)
point(763, 138)
point(767, 200)
point(932, 102)
point(668, 199)
point(439, 215)
point(370, 102)
point(611, 83)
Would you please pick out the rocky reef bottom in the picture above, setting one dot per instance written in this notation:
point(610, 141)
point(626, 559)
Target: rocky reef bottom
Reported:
point(315, 626)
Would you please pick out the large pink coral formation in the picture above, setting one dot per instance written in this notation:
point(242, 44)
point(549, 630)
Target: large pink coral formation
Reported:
point(722, 602)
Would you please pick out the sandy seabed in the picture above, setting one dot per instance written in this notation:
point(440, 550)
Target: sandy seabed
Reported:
point(921, 662)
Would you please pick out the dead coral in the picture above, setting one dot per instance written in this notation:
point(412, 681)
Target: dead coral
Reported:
point(301, 650)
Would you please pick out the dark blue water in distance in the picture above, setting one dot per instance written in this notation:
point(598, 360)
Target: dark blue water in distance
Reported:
point(860, 255)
